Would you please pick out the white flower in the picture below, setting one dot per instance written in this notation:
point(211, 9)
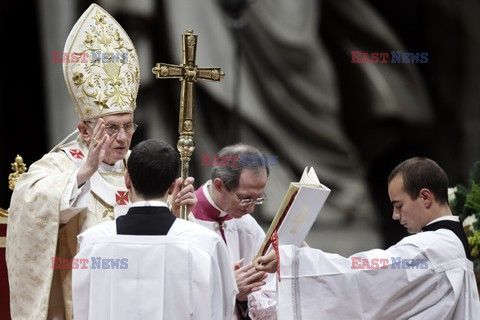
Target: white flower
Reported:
point(451, 194)
point(469, 221)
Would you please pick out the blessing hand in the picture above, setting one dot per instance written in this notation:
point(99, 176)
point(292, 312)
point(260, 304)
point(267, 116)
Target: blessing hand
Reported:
point(97, 143)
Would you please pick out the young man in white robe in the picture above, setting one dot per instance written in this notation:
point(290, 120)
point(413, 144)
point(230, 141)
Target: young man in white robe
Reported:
point(225, 204)
point(172, 268)
point(427, 275)
point(80, 182)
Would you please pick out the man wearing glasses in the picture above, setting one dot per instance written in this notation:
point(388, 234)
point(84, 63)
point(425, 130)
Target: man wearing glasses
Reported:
point(225, 203)
point(80, 183)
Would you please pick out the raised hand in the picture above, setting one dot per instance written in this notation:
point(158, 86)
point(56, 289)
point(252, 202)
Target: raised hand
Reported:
point(98, 142)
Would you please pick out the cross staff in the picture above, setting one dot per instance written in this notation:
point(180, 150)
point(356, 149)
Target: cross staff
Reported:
point(188, 73)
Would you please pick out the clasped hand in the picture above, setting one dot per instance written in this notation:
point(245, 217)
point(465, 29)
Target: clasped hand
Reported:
point(248, 279)
point(267, 263)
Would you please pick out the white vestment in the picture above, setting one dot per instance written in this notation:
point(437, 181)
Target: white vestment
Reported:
point(424, 276)
point(186, 274)
point(47, 212)
point(243, 237)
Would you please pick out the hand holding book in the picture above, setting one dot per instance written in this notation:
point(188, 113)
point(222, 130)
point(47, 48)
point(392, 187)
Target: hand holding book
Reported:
point(298, 211)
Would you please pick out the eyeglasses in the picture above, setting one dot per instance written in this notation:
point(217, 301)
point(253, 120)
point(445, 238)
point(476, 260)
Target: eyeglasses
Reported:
point(113, 129)
point(248, 201)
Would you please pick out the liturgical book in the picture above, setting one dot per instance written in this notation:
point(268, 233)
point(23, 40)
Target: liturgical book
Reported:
point(298, 211)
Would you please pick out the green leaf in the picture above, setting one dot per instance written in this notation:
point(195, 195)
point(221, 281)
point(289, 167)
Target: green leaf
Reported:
point(472, 202)
point(474, 175)
point(459, 201)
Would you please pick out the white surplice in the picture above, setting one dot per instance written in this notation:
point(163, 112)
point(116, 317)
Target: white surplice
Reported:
point(243, 236)
point(186, 274)
point(427, 276)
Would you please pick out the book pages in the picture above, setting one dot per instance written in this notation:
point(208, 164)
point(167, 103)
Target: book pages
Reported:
point(298, 211)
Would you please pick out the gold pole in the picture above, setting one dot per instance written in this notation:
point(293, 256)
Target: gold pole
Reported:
point(188, 73)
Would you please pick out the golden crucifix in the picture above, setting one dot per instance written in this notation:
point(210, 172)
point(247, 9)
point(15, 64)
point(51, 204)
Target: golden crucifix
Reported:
point(188, 73)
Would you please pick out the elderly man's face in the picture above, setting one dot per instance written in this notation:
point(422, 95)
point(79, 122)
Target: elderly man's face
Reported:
point(251, 186)
point(121, 144)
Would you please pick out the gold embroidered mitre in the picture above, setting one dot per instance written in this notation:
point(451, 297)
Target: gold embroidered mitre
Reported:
point(100, 66)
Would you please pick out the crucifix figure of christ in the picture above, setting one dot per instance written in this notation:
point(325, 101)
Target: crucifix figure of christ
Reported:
point(300, 219)
point(188, 73)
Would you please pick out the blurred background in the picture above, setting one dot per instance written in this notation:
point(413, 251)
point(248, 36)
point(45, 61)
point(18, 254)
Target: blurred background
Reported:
point(290, 90)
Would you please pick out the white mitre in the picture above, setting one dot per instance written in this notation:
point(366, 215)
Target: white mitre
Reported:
point(101, 70)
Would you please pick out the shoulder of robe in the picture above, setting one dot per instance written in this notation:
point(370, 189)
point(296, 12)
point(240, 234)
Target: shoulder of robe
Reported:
point(441, 243)
point(192, 231)
point(248, 223)
point(58, 158)
point(56, 162)
point(103, 229)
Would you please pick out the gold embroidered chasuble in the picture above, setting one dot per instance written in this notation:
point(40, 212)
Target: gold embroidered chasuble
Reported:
point(47, 212)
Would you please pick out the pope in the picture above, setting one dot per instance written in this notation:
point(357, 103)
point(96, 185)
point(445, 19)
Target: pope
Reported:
point(80, 183)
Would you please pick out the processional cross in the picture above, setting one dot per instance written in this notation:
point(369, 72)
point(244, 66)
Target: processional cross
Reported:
point(188, 73)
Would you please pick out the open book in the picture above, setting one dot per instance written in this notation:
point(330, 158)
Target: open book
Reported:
point(297, 213)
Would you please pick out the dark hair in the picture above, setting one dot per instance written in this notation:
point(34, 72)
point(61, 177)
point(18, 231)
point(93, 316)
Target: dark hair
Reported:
point(420, 172)
point(153, 165)
point(233, 159)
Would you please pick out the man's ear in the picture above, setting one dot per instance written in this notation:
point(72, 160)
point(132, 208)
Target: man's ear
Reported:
point(218, 184)
point(427, 197)
point(84, 131)
point(128, 181)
